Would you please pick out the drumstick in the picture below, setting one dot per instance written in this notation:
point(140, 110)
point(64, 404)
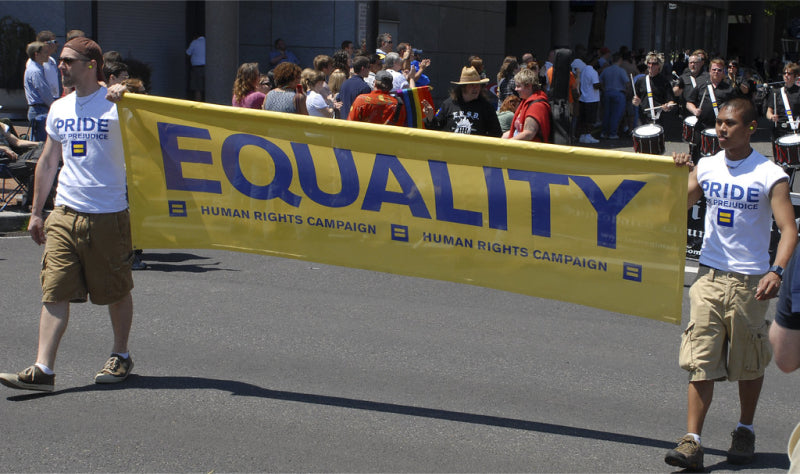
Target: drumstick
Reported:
point(775, 108)
point(654, 108)
point(634, 87)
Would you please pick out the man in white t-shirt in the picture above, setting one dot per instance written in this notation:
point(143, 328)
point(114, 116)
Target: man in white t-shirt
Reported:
point(394, 63)
point(197, 76)
point(726, 338)
point(589, 102)
point(87, 238)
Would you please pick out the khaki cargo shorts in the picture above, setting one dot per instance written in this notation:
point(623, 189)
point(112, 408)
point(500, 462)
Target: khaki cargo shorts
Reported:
point(86, 253)
point(727, 335)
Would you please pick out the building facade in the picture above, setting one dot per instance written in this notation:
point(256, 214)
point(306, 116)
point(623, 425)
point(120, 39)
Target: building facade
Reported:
point(158, 32)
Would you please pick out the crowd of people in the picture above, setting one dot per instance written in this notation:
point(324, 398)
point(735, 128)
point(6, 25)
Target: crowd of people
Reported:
point(610, 94)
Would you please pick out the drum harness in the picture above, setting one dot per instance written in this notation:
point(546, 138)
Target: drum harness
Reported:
point(792, 122)
point(653, 114)
point(713, 100)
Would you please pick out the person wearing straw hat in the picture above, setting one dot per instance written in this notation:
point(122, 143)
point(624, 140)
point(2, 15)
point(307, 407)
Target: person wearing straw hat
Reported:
point(467, 110)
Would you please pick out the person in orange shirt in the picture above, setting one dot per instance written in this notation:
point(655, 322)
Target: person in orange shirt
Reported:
point(378, 106)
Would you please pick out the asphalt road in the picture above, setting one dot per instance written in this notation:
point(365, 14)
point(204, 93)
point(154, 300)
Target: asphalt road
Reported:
point(251, 363)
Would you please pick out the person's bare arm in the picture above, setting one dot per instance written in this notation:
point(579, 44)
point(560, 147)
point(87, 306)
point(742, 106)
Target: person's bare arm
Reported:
point(46, 170)
point(529, 130)
point(783, 212)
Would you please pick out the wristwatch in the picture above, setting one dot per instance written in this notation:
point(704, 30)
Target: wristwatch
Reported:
point(777, 269)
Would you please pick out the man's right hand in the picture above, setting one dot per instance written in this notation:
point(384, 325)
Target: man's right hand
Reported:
point(683, 159)
point(36, 229)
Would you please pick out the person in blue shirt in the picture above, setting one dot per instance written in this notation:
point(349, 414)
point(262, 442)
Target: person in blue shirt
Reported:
point(281, 54)
point(38, 93)
point(355, 85)
point(615, 82)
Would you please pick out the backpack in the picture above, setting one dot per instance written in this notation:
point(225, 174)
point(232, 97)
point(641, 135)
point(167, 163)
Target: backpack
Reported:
point(559, 122)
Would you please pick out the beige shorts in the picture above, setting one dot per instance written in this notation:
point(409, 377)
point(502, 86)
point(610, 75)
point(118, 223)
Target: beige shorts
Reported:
point(793, 450)
point(727, 335)
point(86, 253)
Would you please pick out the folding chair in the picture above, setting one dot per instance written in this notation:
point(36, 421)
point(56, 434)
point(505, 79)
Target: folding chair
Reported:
point(20, 181)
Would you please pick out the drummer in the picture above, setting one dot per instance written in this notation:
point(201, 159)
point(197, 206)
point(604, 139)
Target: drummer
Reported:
point(705, 100)
point(788, 95)
point(653, 92)
point(692, 76)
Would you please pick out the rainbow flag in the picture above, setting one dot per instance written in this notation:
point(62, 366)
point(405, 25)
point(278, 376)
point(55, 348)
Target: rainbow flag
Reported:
point(412, 100)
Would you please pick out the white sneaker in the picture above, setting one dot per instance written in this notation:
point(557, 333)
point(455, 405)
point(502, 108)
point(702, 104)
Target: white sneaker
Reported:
point(587, 138)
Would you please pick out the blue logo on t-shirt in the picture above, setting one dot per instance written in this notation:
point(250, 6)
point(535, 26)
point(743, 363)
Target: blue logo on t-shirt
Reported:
point(78, 148)
point(725, 217)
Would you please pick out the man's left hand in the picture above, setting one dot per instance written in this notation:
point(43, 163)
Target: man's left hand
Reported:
point(768, 286)
point(116, 92)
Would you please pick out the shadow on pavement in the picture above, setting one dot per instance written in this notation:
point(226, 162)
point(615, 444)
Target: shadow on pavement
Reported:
point(169, 262)
point(242, 389)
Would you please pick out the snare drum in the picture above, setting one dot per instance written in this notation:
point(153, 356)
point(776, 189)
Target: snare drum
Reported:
point(649, 139)
point(709, 143)
point(787, 149)
point(689, 125)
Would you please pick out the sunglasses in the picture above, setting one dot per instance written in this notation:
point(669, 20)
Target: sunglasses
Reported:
point(716, 70)
point(733, 65)
point(69, 61)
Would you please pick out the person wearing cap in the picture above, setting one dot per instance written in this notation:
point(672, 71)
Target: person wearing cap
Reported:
point(378, 106)
point(88, 250)
point(531, 120)
point(467, 110)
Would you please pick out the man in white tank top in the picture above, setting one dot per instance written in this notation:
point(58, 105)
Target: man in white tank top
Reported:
point(87, 239)
point(726, 338)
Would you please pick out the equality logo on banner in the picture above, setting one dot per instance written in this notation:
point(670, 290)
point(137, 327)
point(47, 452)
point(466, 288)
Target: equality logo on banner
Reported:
point(592, 227)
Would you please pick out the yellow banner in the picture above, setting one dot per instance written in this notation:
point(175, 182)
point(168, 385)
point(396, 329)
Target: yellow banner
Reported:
point(599, 228)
